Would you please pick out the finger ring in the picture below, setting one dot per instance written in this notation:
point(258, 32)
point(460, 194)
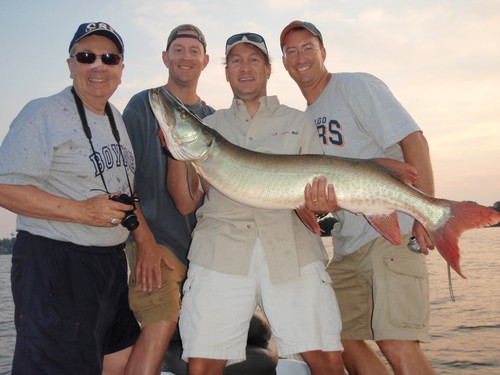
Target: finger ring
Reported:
point(315, 201)
point(114, 221)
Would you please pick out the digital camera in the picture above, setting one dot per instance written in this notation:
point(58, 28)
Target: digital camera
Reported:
point(130, 220)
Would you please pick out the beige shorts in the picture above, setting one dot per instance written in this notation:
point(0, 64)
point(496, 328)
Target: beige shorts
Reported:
point(163, 303)
point(217, 308)
point(383, 292)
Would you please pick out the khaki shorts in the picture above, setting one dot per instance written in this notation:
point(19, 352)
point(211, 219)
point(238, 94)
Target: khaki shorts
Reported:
point(163, 303)
point(383, 292)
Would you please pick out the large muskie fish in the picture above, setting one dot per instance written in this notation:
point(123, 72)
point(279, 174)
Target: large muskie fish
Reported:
point(278, 181)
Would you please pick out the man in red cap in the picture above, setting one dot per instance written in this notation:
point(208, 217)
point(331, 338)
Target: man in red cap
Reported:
point(382, 289)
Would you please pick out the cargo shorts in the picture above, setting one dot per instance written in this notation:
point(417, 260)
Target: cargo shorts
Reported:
point(162, 303)
point(383, 292)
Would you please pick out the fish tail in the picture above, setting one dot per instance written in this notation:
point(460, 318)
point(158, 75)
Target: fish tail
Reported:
point(464, 216)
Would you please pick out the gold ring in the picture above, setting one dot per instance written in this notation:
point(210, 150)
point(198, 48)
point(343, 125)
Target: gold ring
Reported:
point(315, 201)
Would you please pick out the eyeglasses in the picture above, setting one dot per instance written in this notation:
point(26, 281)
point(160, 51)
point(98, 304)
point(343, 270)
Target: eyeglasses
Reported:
point(90, 57)
point(307, 50)
point(251, 38)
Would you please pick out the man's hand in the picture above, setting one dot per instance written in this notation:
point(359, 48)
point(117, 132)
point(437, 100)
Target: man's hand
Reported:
point(148, 265)
point(319, 197)
point(424, 240)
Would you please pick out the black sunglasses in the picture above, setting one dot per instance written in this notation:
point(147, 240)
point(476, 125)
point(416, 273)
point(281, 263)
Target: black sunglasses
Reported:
point(90, 57)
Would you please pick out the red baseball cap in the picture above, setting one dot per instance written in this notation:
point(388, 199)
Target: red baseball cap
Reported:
point(300, 25)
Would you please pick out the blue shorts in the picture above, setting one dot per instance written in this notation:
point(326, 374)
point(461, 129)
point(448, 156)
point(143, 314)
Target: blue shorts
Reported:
point(71, 306)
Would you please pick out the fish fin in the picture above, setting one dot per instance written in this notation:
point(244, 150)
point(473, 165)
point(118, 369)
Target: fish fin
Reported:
point(309, 219)
point(403, 171)
point(463, 216)
point(388, 226)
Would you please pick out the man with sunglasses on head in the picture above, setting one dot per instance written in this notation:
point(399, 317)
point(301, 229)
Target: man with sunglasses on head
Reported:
point(62, 160)
point(382, 289)
point(158, 256)
point(240, 256)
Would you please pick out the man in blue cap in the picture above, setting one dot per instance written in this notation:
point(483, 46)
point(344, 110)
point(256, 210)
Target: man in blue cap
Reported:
point(69, 269)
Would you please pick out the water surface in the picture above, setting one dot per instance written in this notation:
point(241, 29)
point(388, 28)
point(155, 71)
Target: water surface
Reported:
point(465, 333)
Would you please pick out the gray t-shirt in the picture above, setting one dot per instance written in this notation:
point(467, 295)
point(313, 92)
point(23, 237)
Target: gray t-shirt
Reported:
point(47, 148)
point(357, 116)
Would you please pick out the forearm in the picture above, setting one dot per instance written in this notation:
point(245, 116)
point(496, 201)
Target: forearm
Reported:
point(183, 186)
point(142, 234)
point(416, 152)
point(28, 200)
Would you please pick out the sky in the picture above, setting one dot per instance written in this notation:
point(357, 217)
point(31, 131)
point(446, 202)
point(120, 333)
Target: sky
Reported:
point(441, 59)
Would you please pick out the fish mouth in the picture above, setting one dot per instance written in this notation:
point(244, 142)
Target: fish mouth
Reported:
point(172, 110)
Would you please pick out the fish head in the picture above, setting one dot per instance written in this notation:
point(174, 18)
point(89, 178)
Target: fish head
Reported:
point(184, 132)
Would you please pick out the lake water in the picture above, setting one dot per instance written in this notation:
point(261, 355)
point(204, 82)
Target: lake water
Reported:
point(465, 333)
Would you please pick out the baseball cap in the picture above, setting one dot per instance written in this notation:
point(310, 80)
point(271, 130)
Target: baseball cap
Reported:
point(300, 25)
point(176, 33)
point(251, 38)
point(98, 28)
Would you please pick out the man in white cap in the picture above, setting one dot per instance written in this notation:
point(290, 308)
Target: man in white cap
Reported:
point(241, 256)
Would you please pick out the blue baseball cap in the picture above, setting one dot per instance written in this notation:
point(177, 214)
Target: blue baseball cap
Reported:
point(98, 28)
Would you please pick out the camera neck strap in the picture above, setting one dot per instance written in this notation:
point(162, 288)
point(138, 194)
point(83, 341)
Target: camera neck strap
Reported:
point(88, 133)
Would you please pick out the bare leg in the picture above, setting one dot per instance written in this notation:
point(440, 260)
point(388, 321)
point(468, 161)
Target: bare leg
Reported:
point(114, 364)
point(147, 356)
point(360, 359)
point(406, 357)
point(324, 363)
point(205, 366)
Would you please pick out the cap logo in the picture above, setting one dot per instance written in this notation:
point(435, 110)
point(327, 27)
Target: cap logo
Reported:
point(99, 26)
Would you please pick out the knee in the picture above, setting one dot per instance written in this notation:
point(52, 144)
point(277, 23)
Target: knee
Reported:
point(324, 362)
point(398, 350)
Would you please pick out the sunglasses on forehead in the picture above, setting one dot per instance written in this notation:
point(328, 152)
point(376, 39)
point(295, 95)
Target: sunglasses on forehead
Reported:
point(91, 57)
point(252, 38)
point(248, 36)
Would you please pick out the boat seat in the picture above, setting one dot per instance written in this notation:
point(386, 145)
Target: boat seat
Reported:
point(261, 353)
